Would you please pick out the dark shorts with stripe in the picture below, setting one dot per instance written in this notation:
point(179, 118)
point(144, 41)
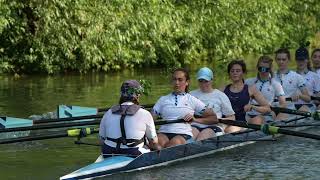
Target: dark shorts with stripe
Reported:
point(107, 151)
point(298, 106)
point(215, 129)
point(172, 135)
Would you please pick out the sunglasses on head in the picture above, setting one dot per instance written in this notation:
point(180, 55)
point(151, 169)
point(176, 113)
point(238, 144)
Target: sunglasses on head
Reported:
point(264, 69)
point(203, 80)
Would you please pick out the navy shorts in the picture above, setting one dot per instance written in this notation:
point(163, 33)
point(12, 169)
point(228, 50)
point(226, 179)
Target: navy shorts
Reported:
point(172, 135)
point(215, 129)
point(298, 106)
point(108, 151)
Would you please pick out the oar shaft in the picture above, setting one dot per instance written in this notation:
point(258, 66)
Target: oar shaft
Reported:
point(34, 137)
point(51, 126)
point(298, 133)
point(273, 128)
point(290, 99)
point(42, 121)
point(291, 111)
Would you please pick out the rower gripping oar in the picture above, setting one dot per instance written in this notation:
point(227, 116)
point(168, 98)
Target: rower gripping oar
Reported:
point(268, 129)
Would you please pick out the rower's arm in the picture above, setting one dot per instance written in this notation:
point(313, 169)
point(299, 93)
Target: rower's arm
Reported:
point(264, 106)
point(208, 117)
point(283, 104)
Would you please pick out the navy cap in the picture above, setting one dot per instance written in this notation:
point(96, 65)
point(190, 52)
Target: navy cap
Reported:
point(302, 54)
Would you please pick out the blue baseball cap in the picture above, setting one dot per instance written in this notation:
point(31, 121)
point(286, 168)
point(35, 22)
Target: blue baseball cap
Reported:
point(205, 73)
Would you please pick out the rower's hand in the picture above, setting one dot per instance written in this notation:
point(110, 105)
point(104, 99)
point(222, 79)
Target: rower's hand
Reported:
point(188, 118)
point(247, 107)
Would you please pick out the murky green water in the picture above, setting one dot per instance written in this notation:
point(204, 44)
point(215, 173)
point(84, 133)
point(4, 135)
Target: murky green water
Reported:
point(290, 158)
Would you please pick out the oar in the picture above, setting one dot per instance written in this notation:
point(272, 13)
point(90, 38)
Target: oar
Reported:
point(41, 121)
point(71, 124)
point(51, 126)
point(290, 99)
point(315, 115)
point(146, 106)
point(73, 133)
point(268, 129)
point(69, 133)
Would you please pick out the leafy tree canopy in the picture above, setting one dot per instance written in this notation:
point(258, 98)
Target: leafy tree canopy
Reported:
point(53, 36)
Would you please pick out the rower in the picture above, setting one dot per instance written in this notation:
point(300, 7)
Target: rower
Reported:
point(240, 95)
point(315, 57)
point(123, 127)
point(180, 105)
point(268, 86)
point(215, 100)
point(293, 83)
point(312, 80)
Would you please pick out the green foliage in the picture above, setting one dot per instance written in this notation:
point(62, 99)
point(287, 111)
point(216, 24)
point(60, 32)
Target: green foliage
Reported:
point(83, 35)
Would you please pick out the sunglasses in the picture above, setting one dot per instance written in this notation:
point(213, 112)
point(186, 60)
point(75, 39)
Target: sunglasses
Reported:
point(264, 69)
point(203, 81)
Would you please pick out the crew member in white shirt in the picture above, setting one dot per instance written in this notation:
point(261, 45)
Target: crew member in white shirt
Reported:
point(293, 84)
point(124, 127)
point(180, 105)
point(311, 78)
point(270, 89)
point(315, 58)
point(215, 100)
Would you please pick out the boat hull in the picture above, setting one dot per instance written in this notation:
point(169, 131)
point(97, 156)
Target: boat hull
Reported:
point(181, 152)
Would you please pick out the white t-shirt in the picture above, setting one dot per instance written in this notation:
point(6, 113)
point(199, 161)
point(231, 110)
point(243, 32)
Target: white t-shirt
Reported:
point(136, 126)
point(173, 107)
point(270, 89)
point(317, 71)
point(217, 101)
point(312, 82)
point(291, 82)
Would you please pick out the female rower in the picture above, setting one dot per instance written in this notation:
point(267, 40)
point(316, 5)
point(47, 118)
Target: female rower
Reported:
point(267, 85)
point(214, 99)
point(312, 80)
point(315, 57)
point(240, 95)
point(293, 84)
point(180, 105)
point(124, 126)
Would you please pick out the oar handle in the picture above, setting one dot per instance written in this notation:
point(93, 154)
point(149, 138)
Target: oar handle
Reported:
point(169, 121)
point(287, 99)
point(146, 106)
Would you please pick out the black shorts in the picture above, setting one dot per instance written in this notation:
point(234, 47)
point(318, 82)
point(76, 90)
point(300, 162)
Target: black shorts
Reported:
point(172, 135)
point(108, 151)
point(298, 106)
point(215, 129)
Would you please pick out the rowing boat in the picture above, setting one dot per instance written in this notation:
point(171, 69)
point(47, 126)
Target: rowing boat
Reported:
point(122, 163)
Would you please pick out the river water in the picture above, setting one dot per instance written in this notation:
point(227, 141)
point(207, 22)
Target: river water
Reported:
point(287, 158)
